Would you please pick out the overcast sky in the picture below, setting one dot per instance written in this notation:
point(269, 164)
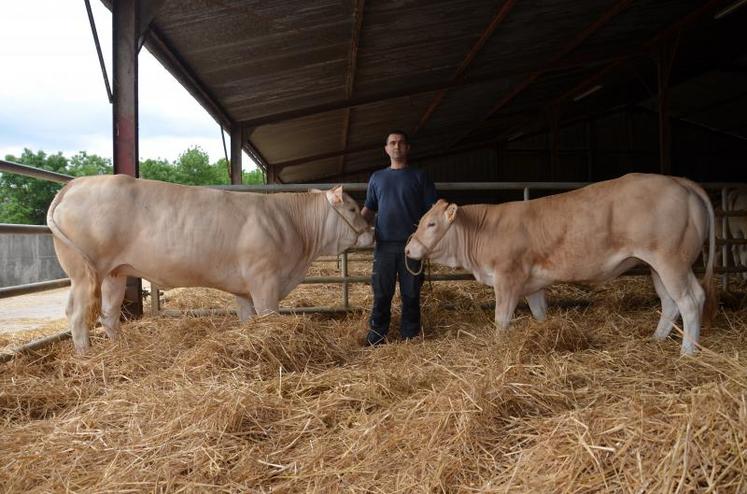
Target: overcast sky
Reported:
point(52, 93)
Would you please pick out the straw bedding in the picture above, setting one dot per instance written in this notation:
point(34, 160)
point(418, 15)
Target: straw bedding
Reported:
point(584, 402)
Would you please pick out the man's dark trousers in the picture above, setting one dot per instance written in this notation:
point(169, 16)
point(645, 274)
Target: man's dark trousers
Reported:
point(389, 262)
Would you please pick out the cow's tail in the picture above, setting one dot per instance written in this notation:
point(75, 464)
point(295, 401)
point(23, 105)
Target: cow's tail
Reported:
point(93, 284)
point(711, 293)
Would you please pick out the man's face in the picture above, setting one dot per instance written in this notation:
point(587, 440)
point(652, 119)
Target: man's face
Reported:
point(397, 147)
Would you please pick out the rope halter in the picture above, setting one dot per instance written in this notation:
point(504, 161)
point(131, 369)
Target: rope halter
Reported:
point(428, 249)
point(358, 233)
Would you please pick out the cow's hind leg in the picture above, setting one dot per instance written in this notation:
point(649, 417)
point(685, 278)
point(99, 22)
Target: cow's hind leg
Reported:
point(85, 295)
point(538, 304)
point(112, 294)
point(669, 311)
point(70, 305)
point(246, 307)
point(683, 287)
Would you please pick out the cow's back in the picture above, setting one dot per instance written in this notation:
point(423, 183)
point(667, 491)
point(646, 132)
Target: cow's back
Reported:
point(176, 235)
point(577, 233)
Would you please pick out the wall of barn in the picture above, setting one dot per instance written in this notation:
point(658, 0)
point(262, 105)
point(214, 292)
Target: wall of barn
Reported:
point(598, 149)
point(27, 259)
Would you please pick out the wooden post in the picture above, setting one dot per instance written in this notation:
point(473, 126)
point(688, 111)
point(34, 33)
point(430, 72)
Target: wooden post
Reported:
point(664, 66)
point(554, 142)
point(155, 300)
point(725, 235)
point(125, 116)
point(345, 284)
point(590, 150)
point(237, 140)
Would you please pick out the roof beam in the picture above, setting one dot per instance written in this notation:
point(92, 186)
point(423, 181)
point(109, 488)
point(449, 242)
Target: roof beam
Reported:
point(498, 138)
point(359, 101)
point(346, 151)
point(168, 57)
point(350, 77)
point(457, 150)
point(399, 93)
point(182, 73)
point(499, 16)
point(601, 21)
point(321, 156)
point(615, 65)
point(590, 81)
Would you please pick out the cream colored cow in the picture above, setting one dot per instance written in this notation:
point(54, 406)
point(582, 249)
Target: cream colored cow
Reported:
point(591, 235)
point(257, 247)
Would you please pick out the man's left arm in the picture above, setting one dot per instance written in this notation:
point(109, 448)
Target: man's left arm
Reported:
point(429, 192)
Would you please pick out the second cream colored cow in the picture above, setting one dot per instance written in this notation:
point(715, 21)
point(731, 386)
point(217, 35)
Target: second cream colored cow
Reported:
point(590, 235)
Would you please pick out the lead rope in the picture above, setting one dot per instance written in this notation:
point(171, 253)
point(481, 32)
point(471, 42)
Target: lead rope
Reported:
point(407, 266)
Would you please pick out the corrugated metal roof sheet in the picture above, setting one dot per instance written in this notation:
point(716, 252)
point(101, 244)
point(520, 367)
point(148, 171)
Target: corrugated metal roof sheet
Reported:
point(289, 63)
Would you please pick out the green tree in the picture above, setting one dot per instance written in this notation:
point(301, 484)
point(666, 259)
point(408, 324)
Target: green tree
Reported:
point(25, 199)
point(158, 170)
point(247, 177)
point(84, 164)
point(193, 168)
point(255, 176)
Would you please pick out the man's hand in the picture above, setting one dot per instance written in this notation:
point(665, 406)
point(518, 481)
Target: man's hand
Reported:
point(368, 215)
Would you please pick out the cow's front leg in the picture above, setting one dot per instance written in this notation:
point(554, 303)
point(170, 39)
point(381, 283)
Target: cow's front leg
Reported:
point(266, 297)
point(246, 307)
point(538, 304)
point(506, 298)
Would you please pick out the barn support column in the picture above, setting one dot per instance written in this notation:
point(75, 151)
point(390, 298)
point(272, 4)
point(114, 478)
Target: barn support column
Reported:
point(664, 69)
point(272, 174)
point(554, 142)
point(125, 33)
point(237, 139)
point(590, 147)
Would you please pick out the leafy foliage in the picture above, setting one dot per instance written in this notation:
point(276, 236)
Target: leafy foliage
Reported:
point(24, 200)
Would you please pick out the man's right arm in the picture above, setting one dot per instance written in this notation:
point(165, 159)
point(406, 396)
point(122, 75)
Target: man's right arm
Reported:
point(368, 215)
point(372, 201)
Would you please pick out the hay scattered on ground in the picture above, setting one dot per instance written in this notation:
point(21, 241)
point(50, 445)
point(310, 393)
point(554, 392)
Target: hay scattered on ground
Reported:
point(585, 401)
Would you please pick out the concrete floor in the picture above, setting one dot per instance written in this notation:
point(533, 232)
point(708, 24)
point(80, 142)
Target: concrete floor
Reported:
point(30, 311)
point(33, 310)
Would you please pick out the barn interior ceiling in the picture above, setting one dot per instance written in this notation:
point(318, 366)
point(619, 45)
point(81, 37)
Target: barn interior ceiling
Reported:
point(316, 85)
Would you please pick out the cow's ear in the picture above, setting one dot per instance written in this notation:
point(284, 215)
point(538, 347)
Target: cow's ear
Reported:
point(451, 212)
point(334, 196)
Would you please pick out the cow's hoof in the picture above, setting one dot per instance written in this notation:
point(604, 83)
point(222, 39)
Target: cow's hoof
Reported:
point(688, 352)
point(81, 351)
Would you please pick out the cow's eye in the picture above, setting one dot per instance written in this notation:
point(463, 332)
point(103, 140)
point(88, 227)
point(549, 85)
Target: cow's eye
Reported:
point(352, 210)
point(431, 224)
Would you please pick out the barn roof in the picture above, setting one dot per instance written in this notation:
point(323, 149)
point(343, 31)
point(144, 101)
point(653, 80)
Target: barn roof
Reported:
point(318, 84)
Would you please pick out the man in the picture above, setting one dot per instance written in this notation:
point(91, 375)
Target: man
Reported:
point(400, 195)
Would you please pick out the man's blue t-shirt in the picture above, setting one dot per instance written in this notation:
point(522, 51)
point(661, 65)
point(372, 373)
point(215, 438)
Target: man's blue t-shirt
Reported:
point(400, 197)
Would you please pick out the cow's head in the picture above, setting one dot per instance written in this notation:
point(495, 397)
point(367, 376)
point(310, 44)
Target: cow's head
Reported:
point(431, 229)
point(355, 230)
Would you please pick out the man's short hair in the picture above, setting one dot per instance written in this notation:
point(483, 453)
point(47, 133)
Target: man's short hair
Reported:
point(398, 132)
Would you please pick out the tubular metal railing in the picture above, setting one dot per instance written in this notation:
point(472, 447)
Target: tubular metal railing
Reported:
point(345, 279)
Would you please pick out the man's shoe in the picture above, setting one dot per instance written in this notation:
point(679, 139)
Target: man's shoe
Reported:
point(409, 336)
point(375, 338)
